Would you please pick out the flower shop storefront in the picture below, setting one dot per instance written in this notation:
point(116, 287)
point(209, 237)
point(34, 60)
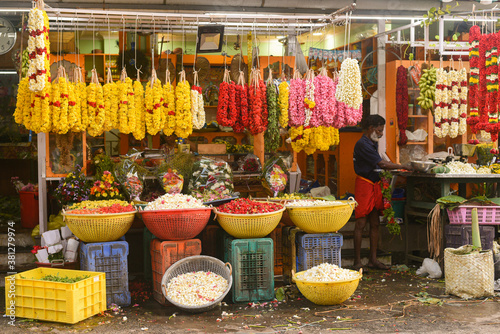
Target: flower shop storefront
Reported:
point(211, 156)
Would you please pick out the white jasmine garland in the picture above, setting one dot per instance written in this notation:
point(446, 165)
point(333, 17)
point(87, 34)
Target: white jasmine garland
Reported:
point(441, 126)
point(349, 85)
point(37, 42)
point(462, 78)
point(310, 96)
point(454, 100)
point(197, 109)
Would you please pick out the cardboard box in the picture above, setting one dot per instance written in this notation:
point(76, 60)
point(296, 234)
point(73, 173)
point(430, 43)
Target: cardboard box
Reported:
point(183, 148)
point(212, 148)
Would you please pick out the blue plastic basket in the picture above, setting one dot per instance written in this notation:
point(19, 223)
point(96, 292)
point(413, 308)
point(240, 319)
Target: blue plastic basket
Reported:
point(253, 269)
point(315, 249)
point(109, 258)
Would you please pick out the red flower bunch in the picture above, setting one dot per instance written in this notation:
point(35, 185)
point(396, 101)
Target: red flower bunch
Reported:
point(257, 108)
point(483, 115)
point(247, 206)
point(402, 104)
point(392, 226)
point(227, 114)
point(241, 102)
point(36, 248)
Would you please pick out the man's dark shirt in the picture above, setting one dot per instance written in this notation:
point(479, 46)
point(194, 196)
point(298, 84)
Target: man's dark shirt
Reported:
point(366, 159)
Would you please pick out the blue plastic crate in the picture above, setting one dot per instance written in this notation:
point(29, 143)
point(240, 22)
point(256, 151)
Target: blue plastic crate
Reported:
point(111, 259)
point(253, 269)
point(315, 249)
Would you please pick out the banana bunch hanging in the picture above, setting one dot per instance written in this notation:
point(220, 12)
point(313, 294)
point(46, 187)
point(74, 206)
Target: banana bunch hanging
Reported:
point(427, 85)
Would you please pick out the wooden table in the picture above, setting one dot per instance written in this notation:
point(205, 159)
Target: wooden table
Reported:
point(445, 181)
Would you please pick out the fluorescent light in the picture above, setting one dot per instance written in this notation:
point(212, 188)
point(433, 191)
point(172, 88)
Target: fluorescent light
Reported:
point(485, 2)
point(8, 72)
point(280, 37)
point(446, 0)
point(317, 33)
point(15, 10)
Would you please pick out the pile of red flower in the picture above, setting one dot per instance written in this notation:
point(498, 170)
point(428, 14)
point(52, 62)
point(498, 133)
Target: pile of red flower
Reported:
point(115, 208)
point(247, 206)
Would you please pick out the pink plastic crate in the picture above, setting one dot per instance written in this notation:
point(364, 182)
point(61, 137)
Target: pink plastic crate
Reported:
point(487, 215)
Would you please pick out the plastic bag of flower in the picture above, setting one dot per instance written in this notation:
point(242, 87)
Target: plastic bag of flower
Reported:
point(250, 164)
point(171, 181)
point(274, 178)
point(131, 177)
point(211, 176)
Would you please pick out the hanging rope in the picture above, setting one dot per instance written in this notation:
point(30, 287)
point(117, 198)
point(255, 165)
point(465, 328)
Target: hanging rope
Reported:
point(109, 47)
point(182, 49)
point(167, 71)
point(124, 42)
point(135, 50)
point(93, 44)
point(153, 53)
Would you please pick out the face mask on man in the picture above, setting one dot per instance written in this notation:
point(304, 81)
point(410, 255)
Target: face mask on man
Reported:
point(374, 137)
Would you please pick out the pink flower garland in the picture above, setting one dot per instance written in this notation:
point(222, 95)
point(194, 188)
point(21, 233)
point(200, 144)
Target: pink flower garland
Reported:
point(296, 108)
point(325, 110)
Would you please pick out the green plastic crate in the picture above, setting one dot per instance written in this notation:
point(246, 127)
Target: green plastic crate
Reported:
point(146, 244)
point(253, 269)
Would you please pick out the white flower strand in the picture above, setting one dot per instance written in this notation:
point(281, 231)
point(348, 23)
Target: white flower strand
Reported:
point(349, 85)
point(310, 96)
point(441, 97)
point(318, 202)
point(174, 201)
point(462, 77)
point(196, 288)
point(36, 23)
point(327, 272)
point(197, 109)
point(454, 99)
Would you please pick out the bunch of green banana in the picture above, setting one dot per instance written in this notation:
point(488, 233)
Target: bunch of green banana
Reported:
point(427, 85)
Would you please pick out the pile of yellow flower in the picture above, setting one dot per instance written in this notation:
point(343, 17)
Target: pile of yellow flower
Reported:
point(311, 139)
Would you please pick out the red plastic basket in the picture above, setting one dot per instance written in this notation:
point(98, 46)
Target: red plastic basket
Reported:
point(487, 215)
point(176, 224)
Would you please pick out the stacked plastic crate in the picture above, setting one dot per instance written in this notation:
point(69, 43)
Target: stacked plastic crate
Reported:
point(302, 251)
point(111, 259)
point(164, 253)
point(253, 268)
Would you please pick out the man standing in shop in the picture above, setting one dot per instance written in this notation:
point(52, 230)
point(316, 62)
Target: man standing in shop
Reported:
point(368, 192)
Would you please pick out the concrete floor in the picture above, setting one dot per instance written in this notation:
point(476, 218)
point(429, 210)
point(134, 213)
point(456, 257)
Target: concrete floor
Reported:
point(385, 302)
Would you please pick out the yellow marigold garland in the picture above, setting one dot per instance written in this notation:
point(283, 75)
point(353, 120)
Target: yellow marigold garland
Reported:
point(96, 128)
point(73, 112)
point(55, 107)
point(91, 107)
point(183, 117)
point(63, 126)
point(82, 94)
point(283, 103)
point(148, 108)
point(169, 108)
point(108, 91)
point(132, 118)
point(154, 107)
point(23, 100)
point(139, 131)
point(126, 98)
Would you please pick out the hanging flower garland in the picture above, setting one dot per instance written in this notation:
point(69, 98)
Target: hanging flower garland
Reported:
point(299, 137)
point(257, 120)
point(22, 100)
point(38, 49)
point(462, 77)
point(340, 120)
point(197, 104)
point(81, 100)
point(73, 113)
point(110, 101)
point(272, 134)
point(402, 103)
point(55, 107)
point(473, 119)
point(454, 103)
point(441, 103)
point(95, 102)
point(296, 106)
point(309, 102)
point(226, 108)
point(169, 106)
point(64, 115)
point(154, 109)
point(241, 104)
point(125, 97)
point(139, 132)
point(325, 110)
point(483, 90)
point(349, 86)
point(491, 68)
point(283, 103)
point(183, 117)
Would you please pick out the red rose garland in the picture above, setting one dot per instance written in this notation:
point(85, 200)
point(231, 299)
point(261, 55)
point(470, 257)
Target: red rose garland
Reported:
point(257, 120)
point(473, 119)
point(492, 86)
point(223, 103)
point(402, 104)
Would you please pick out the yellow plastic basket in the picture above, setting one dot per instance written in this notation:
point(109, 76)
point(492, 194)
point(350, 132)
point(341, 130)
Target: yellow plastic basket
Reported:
point(99, 227)
point(322, 219)
point(327, 293)
point(245, 226)
point(29, 297)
